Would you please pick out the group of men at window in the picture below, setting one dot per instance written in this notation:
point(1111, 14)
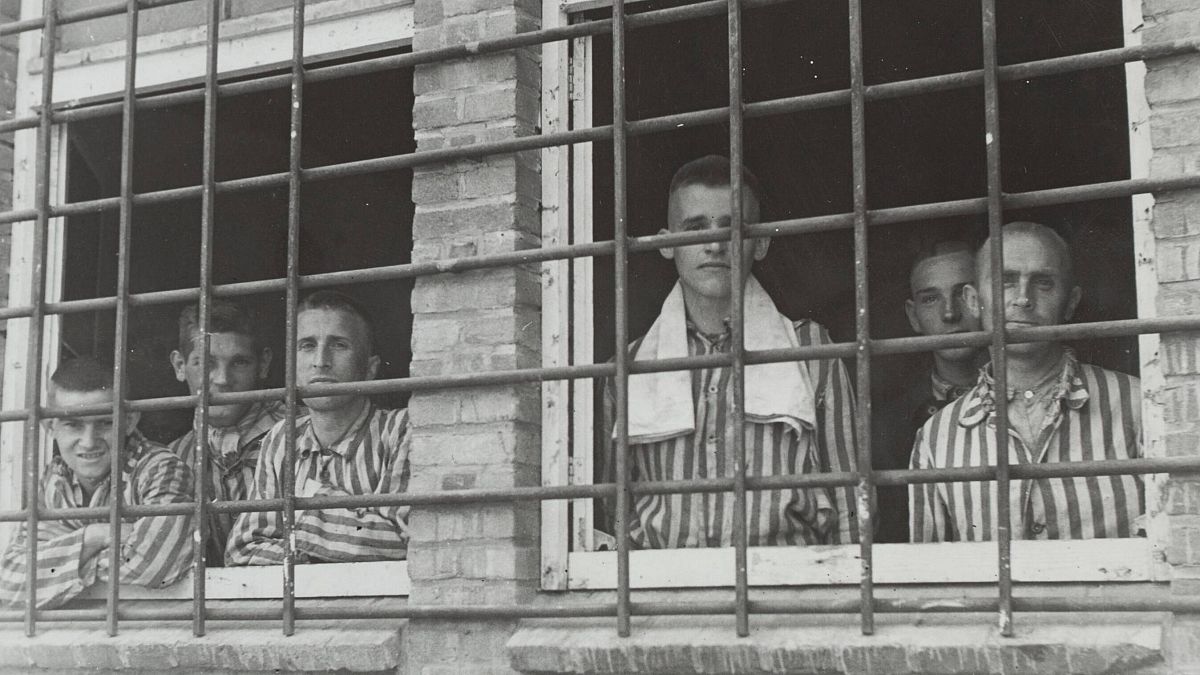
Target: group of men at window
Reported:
point(799, 419)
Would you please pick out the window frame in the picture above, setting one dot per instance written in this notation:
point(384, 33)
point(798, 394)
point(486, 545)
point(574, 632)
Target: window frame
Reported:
point(568, 561)
point(255, 43)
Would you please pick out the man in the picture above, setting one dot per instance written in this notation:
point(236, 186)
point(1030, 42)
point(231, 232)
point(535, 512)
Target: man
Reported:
point(937, 281)
point(1059, 410)
point(73, 554)
point(344, 445)
point(237, 361)
point(799, 415)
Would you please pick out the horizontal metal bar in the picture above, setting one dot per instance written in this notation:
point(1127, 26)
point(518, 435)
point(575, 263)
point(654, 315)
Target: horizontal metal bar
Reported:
point(905, 345)
point(399, 608)
point(1173, 465)
point(78, 15)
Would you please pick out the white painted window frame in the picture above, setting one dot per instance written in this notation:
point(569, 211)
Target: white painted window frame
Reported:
point(247, 44)
point(568, 561)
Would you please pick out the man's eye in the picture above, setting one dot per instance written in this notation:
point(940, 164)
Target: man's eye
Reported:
point(928, 299)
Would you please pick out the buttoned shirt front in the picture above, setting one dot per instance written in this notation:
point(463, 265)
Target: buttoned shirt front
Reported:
point(775, 517)
point(370, 458)
point(232, 454)
point(1096, 416)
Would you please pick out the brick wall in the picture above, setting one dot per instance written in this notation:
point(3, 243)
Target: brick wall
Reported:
point(481, 320)
point(9, 11)
point(1173, 92)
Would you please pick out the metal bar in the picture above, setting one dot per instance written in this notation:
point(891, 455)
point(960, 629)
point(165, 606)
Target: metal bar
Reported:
point(121, 330)
point(1120, 467)
point(995, 213)
point(1027, 70)
point(398, 608)
point(737, 321)
point(200, 463)
point(75, 16)
point(293, 289)
point(621, 318)
point(865, 503)
point(37, 296)
point(796, 226)
point(906, 345)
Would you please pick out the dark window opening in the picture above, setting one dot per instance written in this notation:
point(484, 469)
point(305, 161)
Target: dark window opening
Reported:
point(346, 223)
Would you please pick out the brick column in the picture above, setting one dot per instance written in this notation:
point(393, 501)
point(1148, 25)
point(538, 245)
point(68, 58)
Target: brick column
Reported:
point(472, 322)
point(10, 10)
point(1173, 92)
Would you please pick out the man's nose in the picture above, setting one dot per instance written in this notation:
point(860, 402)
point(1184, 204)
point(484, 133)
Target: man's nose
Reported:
point(219, 374)
point(717, 247)
point(952, 311)
point(321, 357)
point(89, 437)
point(1020, 296)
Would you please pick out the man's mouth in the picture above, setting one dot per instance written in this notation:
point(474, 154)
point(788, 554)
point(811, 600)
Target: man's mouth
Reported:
point(94, 455)
point(322, 380)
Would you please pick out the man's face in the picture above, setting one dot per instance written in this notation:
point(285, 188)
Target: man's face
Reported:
point(233, 365)
point(1037, 291)
point(332, 346)
point(937, 306)
point(86, 442)
point(704, 269)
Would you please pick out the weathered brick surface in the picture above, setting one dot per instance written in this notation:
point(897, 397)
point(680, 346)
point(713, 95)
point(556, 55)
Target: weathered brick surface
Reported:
point(1042, 645)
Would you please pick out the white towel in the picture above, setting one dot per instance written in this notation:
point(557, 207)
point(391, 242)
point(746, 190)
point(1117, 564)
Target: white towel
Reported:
point(660, 404)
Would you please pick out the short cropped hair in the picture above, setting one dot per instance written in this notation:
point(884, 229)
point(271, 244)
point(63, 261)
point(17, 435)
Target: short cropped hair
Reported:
point(223, 317)
point(83, 374)
point(336, 300)
point(1043, 232)
point(713, 171)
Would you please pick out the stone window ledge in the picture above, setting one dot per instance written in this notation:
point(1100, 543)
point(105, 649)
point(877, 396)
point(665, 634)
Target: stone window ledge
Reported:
point(228, 646)
point(1080, 643)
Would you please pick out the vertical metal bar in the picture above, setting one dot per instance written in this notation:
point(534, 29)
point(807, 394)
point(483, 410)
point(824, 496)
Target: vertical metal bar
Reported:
point(865, 507)
point(37, 296)
point(207, 206)
point(293, 271)
point(991, 95)
point(120, 332)
point(620, 292)
point(737, 321)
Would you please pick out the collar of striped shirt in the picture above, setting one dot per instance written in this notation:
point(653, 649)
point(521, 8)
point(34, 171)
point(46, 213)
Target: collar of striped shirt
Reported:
point(136, 445)
point(307, 442)
point(229, 446)
point(981, 400)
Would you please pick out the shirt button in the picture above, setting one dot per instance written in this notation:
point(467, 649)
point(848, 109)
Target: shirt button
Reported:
point(1028, 394)
point(1037, 528)
point(712, 389)
point(324, 474)
point(712, 438)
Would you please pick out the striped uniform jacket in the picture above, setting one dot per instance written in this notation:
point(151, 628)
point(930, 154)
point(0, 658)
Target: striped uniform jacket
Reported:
point(1098, 418)
point(774, 517)
point(371, 458)
point(156, 550)
point(232, 455)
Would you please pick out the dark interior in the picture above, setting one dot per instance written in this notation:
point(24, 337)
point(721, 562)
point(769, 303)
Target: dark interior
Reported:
point(346, 223)
point(1055, 131)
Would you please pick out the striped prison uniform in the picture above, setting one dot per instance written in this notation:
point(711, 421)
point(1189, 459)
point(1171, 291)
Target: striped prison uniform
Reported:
point(370, 458)
point(232, 455)
point(155, 550)
point(1097, 417)
point(774, 517)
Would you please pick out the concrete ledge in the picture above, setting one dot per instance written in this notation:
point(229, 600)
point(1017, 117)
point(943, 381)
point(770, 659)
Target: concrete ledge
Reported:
point(354, 646)
point(834, 644)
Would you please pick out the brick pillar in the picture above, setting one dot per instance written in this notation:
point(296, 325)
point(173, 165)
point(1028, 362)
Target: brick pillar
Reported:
point(10, 10)
point(472, 322)
point(1173, 92)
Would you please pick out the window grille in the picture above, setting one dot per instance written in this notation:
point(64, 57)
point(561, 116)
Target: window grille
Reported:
point(862, 348)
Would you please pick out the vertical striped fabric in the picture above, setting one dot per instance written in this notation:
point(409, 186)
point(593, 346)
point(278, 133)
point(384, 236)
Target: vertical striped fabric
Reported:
point(156, 551)
point(372, 458)
point(231, 475)
point(1098, 418)
point(775, 517)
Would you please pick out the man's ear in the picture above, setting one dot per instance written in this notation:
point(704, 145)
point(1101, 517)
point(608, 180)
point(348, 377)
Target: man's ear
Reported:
point(178, 361)
point(1073, 303)
point(264, 363)
point(972, 301)
point(760, 247)
point(668, 253)
point(910, 309)
point(373, 366)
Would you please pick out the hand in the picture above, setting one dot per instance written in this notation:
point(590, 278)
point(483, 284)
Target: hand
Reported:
point(96, 538)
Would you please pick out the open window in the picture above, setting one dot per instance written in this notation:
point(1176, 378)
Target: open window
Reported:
point(356, 221)
point(1057, 131)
